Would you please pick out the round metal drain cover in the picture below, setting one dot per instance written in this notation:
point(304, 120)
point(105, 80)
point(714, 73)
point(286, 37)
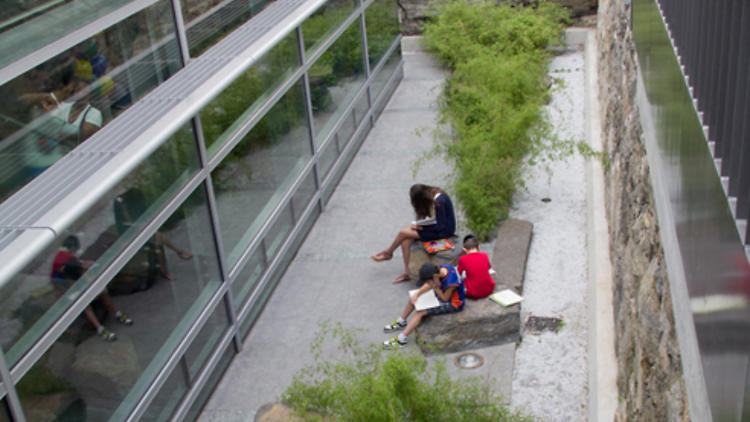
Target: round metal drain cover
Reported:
point(468, 360)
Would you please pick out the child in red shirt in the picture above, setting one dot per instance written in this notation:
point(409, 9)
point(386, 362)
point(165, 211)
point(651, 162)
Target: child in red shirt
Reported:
point(476, 267)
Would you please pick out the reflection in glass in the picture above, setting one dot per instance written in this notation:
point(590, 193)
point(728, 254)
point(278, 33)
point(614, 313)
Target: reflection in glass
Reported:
point(235, 105)
point(108, 375)
point(324, 21)
point(278, 232)
point(208, 21)
point(246, 280)
point(205, 342)
point(168, 398)
point(274, 277)
point(32, 300)
point(4, 411)
point(26, 26)
point(252, 178)
point(208, 389)
point(302, 197)
point(50, 109)
point(335, 78)
point(381, 78)
point(327, 157)
point(381, 21)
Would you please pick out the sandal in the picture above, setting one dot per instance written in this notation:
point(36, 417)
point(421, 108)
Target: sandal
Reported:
point(382, 256)
point(400, 279)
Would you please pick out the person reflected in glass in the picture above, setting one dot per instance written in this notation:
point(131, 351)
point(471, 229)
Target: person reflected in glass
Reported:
point(67, 268)
point(435, 220)
point(70, 118)
point(131, 205)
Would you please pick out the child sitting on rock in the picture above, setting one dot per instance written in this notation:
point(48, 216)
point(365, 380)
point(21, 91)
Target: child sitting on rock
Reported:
point(476, 268)
point(448, 287)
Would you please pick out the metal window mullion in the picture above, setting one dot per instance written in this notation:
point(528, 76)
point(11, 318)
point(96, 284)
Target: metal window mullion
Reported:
point(308, 108)
point(365, 51)
point(181, 31)
point(14, 403)
point(214, 222)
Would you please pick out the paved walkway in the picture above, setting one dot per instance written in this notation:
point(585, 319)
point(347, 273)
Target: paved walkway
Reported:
point(341, 283)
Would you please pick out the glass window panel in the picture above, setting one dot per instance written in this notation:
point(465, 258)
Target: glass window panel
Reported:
point(246, 280)
point(346, 130)
point(47, 111)
point(381, 78)
point(324, 21)
point(208, 389)
point(4, 411)
point(205, 342)
point(168, 398)
point(34, 299)
point(360, 109)
point(303, 195)
point(252, 178)
point(109, 377)
point(381, 21)
point(269, 286)
point(278, 232)
point(235, 105)
point(327, 157)
point(208, 21)
point(335, 78)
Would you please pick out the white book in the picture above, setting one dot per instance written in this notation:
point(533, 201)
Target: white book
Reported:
point(426, 300)
point(505, 297)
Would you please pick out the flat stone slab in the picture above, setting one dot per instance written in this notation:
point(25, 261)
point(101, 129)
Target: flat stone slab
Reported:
point(483, 322)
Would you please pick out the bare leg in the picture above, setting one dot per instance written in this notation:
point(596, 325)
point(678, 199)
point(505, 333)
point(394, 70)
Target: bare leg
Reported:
point(414, 321)
point(92, 317)
point(107, 300)
point(404, 239)
point(171, 245)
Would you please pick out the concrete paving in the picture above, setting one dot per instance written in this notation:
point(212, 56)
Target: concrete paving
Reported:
point(340, 282)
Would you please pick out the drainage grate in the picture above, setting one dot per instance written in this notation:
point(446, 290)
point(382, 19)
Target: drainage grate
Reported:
point(536, 325)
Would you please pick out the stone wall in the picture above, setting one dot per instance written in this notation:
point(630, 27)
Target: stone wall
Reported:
point(649, 379)
point(413, 13)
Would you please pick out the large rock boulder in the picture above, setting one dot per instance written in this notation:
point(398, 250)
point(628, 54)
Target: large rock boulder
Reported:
point(106, 370)
point(419, 256)
point(483, 322)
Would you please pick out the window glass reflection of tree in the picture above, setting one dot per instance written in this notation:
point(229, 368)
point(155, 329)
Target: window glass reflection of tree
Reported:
point(110, 71)
point(208, 21)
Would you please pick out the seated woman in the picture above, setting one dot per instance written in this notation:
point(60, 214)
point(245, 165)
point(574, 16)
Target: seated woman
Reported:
point(427, 201)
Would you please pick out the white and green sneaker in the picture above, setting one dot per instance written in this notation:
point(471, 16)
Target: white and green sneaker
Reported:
point(394, 343)
point(394, 326)
point(107, 335)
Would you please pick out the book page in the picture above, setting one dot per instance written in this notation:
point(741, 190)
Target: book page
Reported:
point(506, 297)
point(426, 300)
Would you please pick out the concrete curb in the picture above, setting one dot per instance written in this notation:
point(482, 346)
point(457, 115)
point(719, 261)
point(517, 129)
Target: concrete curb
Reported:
point(602, 377)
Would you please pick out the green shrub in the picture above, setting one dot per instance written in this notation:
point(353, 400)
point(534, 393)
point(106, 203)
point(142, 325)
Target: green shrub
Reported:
point(371, 385)
point(493, 98)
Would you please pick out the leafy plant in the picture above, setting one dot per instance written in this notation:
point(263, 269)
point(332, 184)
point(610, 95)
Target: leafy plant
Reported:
point(368, 384)
point(493, 99)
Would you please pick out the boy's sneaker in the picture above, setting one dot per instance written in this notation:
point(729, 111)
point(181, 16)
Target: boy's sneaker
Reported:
point(108, 335)
point(394, 326)
point(124, 319)
point(394, 343)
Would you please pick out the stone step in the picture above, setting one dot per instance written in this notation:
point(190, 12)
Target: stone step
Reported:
point(482, 322)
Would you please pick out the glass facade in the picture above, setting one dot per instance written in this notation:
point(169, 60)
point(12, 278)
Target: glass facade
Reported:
point(124, 313)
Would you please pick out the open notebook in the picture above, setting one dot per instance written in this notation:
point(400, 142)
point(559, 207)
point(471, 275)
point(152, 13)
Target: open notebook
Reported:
point(426, 300)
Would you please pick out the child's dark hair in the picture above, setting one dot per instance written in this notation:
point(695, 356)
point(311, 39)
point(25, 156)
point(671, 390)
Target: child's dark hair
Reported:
point(471, 242)
point(71, 243)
